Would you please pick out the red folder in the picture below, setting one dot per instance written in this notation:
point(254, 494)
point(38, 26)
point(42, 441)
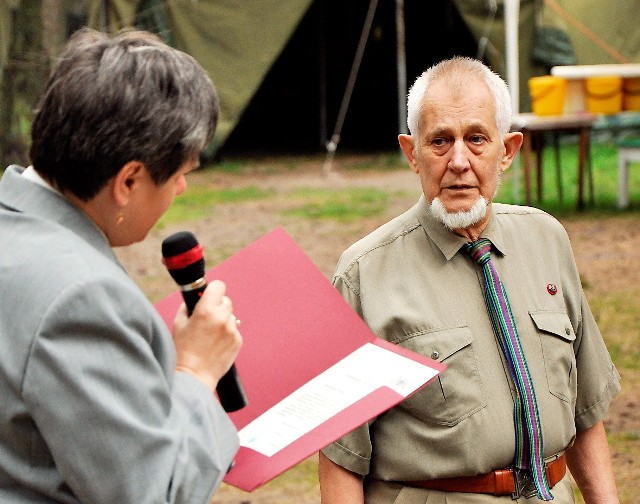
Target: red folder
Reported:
point(295, 325)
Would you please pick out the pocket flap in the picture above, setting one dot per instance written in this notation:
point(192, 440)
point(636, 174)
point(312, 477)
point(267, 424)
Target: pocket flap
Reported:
point(556, 323)
point(440, 344)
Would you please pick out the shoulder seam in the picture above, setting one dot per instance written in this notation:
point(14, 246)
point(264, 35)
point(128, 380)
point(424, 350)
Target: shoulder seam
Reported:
point(379, 245)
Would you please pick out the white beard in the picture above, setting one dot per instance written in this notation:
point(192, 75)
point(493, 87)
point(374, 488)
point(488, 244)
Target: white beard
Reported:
point(462, 219)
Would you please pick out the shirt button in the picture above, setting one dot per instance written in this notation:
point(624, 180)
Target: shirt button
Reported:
point(567, 330)
point(435, 354)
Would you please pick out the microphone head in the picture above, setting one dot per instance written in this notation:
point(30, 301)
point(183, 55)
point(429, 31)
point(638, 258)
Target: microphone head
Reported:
point(183, 256)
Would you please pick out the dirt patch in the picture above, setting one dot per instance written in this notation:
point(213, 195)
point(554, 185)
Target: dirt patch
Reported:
point(607, 251)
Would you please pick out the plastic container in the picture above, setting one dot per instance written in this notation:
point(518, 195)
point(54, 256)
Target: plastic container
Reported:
point(631, 93)
point(604, 94)
point(548, 94)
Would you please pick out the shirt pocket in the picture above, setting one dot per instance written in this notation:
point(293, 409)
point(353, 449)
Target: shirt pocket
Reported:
point(557, 337)
point(457, 392)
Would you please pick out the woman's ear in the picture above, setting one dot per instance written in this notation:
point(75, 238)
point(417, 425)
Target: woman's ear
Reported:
point(126, 181)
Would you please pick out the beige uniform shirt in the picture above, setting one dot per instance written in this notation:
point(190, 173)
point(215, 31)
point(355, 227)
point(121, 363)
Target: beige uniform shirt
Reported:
point(413, 286)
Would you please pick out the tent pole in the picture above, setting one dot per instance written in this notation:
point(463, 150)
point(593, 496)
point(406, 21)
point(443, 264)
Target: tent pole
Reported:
point(104, 14)
point(332, 145)
point(511, 27)
point(512, 14)
point(322, 68)
point(401, 62)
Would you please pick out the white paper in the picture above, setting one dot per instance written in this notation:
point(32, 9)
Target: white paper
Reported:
point(360, 373)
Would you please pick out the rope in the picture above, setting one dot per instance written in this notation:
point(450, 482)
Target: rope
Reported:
point(332, 145)
point(587, 32)
point(484, 39)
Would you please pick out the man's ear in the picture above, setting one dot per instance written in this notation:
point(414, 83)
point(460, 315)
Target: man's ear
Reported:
point(127, 180)
point(407, 145)
point(512, 144)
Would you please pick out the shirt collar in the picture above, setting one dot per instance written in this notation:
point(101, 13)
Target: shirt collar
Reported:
point(30, 173)
point(25, 194)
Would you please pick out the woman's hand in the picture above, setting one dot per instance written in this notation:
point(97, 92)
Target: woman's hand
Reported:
point(208, 342)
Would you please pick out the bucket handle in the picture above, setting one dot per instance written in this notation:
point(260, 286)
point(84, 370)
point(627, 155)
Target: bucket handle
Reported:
point(603, 96)
point(631, 92)
point(543, 93)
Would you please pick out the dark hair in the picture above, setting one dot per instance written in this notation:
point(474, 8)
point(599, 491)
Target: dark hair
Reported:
point(111, 100)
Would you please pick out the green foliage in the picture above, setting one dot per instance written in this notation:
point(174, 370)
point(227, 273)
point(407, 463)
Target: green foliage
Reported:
point(384, 161)
point(23, 76)
point(343, 205)
point(624, 437)
point(233, 167)
point(197, 202)
point(625, 354)
point(618, 317)
point(604, 166)
point(625, 446)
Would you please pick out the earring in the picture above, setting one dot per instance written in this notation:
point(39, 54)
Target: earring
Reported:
point(119, 218)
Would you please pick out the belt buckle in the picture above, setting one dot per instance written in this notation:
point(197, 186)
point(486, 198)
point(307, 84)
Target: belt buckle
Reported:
point(524, 486)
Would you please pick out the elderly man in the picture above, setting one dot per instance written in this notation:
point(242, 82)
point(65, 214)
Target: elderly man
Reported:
point(493, 291)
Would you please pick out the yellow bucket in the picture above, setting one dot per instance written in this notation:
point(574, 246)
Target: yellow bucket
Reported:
point(547, 94)
point(604, 94)
point(631, 93)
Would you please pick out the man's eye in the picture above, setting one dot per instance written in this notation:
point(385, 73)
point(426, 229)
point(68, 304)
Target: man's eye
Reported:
point(438, 142)
point(477, 139)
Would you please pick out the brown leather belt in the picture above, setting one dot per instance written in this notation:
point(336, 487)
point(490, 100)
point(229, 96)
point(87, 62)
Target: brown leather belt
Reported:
point(501, 482)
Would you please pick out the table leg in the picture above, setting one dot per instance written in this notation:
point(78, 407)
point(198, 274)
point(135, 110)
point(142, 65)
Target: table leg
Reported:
point(539, 151)
point(526, 162)
point(589, 168)
point(582, 157)
point(556, 147)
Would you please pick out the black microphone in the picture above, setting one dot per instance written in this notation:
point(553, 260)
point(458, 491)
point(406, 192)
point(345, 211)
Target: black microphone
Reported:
point(183, 257)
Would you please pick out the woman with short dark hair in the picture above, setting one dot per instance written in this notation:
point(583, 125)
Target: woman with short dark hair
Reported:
point(100, 402)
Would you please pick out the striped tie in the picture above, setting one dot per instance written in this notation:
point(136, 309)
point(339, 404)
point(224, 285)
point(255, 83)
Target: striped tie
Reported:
point(526, 418)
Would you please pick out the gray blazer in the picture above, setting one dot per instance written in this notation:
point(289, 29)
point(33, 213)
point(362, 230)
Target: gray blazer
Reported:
point(91, 409)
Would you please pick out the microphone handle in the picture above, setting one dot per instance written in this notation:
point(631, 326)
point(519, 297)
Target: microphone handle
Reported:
point(230, 391)
point(192, 296)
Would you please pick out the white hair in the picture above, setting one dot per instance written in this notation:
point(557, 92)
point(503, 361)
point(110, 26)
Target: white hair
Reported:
point(459, 71)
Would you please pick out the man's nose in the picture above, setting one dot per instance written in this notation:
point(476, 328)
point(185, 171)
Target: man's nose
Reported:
point(459, 160)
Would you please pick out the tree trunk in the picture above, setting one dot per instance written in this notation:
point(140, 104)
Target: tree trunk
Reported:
point(22, 81)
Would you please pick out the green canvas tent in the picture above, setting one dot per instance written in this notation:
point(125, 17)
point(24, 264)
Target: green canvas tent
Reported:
point(282, 67)
point(237, 42)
